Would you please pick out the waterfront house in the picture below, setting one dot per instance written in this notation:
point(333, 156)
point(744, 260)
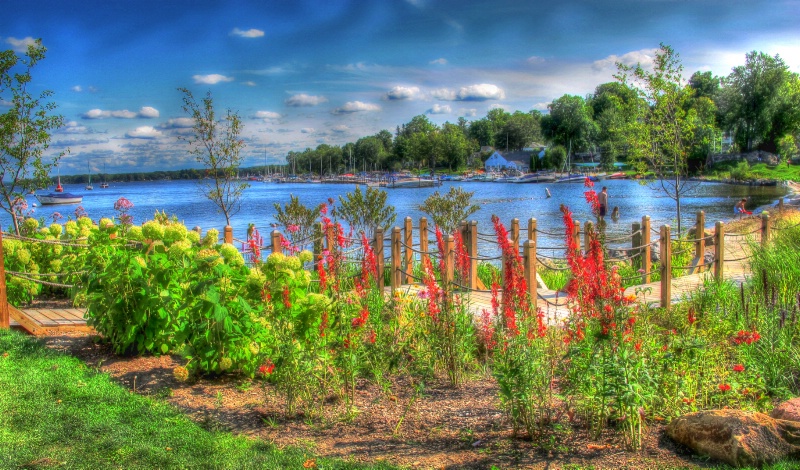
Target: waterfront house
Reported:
point(508, 161)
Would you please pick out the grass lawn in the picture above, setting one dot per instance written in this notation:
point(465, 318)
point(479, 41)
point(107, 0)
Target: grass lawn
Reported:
point(57, 413)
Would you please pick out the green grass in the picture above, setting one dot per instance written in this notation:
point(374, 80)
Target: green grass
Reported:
point(55, 412)
point(742, 170)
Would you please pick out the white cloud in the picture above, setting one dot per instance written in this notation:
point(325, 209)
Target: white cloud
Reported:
point(211, 79)
point(307, 130)
point(355, 107)
point(305, 100)
point(340, 128)
point(481, 92)
point(643, 56)
point(402, 93)
point(266, 115)
point(468, 112)
point(178, 123)
point(535, 60)
point(541, 106)
point(20, 45)
point(77, 89)
point(144, 132)
point(439, 61)
point(146, 112)
point(72, 127)
point(439, 109)
point(249, 83)
point(250, 33)
point(100, 114)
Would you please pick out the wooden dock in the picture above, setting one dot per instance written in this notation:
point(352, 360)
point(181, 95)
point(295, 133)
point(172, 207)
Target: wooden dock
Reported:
point(46, 321)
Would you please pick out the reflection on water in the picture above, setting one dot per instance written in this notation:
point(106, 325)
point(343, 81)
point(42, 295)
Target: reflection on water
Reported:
point(507, 200)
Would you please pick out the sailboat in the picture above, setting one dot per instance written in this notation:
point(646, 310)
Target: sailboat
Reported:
point(59, 188)
point(89, 186)
point(104, 185)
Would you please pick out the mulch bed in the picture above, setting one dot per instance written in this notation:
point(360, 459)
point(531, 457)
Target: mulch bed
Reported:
point(443, 427)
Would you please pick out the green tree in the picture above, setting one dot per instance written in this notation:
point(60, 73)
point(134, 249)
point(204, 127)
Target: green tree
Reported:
point(25, 130)
point(569, 123)
point(216, 144)
point(300, 218)
point(613, 106)
point(755, 100)
point(452, 146)
point(662, 134)
point(521, 129)
point(366, 211)
point(787, 148)
point(448, 210)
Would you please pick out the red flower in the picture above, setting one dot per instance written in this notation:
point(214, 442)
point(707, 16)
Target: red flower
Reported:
point(690, 317)
point(286, 302)
point(724, 387)
point(266, 368)
point(738, 368)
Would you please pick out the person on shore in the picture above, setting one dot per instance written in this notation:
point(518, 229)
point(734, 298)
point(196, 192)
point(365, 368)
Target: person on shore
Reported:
point(602, 200)
point(615, 214)
point(740, 209)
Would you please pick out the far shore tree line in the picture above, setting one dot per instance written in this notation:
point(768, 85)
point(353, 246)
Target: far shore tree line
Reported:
point(652, 117)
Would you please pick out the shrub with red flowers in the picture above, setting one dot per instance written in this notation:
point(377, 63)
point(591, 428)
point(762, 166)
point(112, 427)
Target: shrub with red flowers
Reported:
point(526, 357)
point(446, 319)
point(601, 332)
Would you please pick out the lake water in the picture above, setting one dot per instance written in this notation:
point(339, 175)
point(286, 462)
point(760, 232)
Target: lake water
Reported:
point(508, 200)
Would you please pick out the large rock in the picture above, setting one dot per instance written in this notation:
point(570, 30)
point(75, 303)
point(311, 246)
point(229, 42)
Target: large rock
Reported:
point(738, 438)
point(788, 410)
point(707, 233)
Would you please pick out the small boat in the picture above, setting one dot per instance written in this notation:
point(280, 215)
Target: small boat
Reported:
point(59, 188)
point(573, 178)
point(617, 176)
point(59, 198)
point(104, 185)
point(413, 183)
point(536, 178)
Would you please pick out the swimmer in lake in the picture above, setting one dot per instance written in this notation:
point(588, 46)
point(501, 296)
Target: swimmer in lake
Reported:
point(615, 214)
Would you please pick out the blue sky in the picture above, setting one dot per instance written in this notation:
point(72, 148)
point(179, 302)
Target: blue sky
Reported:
point(301, 72)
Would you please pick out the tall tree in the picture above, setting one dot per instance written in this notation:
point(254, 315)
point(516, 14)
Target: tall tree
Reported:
point(613, 106)
point(753, 99)
point(663, 132)
point(569, 123)
point(452, 146)
point(24, 130)
point(216, 144)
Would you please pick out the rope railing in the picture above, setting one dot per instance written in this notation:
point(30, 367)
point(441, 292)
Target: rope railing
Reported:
point(39, 281)
point(734, 234)
point(551, 303)
point(550, 234)
point(551, 267)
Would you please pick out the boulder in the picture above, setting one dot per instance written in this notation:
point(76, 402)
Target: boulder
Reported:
point(738, 438)
point(708, 234)
point(788, 410)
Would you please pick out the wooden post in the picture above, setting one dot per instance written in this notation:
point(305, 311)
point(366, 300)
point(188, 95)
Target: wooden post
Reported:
point(448, 256)
point(647, 263)
point(472, 249)
point(276, 242)
point(765, 232)
point(423, 238)
point(636, 245)
point(5, 316)
point(529, 258)
point(228, 234)
point(700, 236)
point(408, 231)
point(515, 234)
point(377, 248)
point(330, 238)
point(780, 205)
point(318, 244)
point(666, 267)
point(576, 234)
point(394, 277)
point(588, 226)
point(719, 250)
